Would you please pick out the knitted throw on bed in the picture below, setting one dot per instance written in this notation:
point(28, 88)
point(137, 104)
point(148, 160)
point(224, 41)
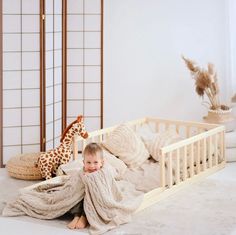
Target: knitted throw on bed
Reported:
point(107, 202)
point(48, 200)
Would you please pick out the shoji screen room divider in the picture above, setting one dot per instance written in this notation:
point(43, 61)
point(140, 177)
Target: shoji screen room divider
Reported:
point(51, 71)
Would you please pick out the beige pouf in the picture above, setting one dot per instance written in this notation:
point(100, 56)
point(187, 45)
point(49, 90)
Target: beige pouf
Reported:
point(23, 167)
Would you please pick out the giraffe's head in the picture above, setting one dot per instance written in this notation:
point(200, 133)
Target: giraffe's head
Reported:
point(79, 127)
point(76, 127)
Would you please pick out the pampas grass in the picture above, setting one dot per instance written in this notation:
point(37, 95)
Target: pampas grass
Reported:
point(206, 83)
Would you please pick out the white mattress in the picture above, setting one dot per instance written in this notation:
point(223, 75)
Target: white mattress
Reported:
point(230, 154)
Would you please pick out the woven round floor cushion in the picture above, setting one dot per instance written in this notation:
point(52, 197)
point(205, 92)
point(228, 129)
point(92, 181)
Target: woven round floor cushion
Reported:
point(23, 167)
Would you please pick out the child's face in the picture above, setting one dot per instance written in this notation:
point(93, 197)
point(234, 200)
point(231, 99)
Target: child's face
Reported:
point(92, 163)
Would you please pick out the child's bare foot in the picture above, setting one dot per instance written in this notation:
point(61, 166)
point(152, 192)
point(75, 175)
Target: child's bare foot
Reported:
point(82, 222)
point(72, 224)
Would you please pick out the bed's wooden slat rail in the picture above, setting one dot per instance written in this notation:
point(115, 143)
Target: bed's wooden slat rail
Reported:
point(193, 128)
point(181, 123)
point(202, 148)
point(99, 136)
point(200, 155)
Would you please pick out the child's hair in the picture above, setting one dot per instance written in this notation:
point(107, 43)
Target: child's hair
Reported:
point(92, 149)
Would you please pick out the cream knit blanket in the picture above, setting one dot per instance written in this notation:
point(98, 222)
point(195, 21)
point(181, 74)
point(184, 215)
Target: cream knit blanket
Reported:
point(107, 202)
point(47, 200)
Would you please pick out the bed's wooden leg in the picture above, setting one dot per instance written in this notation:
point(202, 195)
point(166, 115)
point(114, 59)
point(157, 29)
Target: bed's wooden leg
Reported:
point(198, 157)
point(216, 149)
point(210, 151)
point(177, 169)
point(170, 170)
point(204, 154)
point(222, 145)
point(185, 165)
point(162, 171)
point(191, 161)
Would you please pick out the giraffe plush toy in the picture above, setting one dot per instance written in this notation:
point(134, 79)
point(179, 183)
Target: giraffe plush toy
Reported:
point(49, 161)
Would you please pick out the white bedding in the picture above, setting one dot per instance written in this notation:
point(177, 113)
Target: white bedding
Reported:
point(146, 177)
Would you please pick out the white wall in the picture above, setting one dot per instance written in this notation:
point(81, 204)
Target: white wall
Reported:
point(232, 47)
point(144, 74)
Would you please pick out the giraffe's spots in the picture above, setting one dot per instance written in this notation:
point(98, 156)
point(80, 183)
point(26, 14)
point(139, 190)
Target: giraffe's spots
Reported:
point(51, 160)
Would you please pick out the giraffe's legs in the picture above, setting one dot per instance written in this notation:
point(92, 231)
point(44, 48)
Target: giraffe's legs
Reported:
point(41, 169)
point(46, 172)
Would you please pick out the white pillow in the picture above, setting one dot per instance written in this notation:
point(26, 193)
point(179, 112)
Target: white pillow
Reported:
point(155, 141)
point(146, 133)
point(124, 143)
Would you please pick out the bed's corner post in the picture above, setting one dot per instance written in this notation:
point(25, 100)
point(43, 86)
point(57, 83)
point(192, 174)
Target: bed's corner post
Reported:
point(222, 144)
point(75, 147)
point(162, 170)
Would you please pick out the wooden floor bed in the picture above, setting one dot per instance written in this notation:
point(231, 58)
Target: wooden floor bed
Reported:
point(201, 142)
